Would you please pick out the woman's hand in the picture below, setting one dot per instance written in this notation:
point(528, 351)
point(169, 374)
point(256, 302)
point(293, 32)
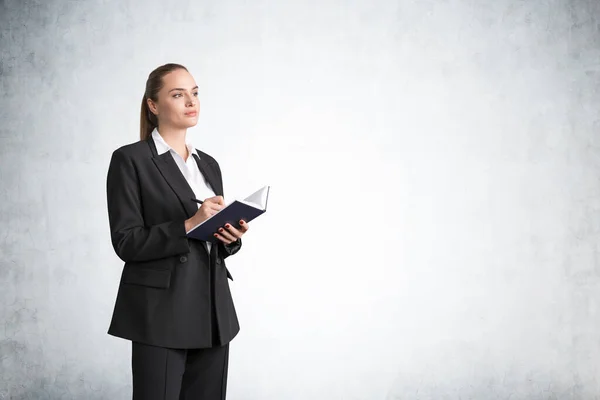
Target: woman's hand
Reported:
point(209, 207)
point(230, 234)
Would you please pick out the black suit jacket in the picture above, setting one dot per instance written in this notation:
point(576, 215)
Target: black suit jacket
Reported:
point(164, 297)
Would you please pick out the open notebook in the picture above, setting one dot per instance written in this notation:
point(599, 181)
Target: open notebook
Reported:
point(247, 209)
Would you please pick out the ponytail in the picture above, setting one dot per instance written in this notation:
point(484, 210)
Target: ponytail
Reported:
point(149, 121)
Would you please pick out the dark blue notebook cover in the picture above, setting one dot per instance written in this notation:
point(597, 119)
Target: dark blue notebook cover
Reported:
point(232, 214)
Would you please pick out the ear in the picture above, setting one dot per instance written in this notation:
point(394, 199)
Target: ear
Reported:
point(152, 106)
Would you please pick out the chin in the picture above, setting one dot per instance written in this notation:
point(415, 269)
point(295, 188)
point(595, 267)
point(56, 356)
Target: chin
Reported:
point(189, 123)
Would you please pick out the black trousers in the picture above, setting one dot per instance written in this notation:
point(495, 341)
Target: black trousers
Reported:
point(161, 373)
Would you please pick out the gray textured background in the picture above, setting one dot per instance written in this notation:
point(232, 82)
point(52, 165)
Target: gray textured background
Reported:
point(434, 221)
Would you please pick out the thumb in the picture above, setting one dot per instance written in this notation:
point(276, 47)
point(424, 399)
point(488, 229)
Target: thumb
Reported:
point(216, 199)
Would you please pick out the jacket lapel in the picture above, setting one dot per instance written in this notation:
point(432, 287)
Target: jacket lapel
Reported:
point(215, 183)
point(217, 186)
point(170, 171)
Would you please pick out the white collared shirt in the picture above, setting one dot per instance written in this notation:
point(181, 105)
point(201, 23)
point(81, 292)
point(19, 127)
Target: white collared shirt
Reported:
point(189, 169)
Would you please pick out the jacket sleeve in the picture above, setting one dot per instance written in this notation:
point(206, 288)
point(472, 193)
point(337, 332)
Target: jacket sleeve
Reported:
point(132, 240)
point(230, 249)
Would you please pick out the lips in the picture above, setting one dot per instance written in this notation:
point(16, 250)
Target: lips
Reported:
point(191, 114)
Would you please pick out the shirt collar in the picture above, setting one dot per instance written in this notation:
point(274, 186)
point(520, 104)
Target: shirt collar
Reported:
point(162, 146)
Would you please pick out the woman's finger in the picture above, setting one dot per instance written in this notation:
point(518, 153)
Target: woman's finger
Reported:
point(227, 234)
point(211, 208)
point(244, 226)
point(222, 239)
point(216, 200)
point(234, 231)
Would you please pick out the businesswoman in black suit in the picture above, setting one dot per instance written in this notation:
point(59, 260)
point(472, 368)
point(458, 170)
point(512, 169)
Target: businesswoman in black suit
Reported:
point(173, 302)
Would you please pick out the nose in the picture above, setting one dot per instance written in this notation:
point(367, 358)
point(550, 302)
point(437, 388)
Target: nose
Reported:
point(191, 100)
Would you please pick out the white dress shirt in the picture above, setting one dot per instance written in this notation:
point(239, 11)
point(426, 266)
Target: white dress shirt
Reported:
point(189, 169)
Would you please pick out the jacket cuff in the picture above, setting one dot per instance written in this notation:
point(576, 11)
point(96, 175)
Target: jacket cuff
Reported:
point(232, 248)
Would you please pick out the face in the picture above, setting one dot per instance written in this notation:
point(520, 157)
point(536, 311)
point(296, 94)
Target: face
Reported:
point(177, 105)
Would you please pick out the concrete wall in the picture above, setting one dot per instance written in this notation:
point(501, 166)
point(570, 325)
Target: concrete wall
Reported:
point(435, 208)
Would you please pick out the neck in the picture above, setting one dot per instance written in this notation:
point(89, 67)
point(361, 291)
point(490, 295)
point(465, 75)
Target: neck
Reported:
point(175, 137)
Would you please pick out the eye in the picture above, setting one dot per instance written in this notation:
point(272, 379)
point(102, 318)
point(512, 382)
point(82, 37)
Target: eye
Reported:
point(177, 94)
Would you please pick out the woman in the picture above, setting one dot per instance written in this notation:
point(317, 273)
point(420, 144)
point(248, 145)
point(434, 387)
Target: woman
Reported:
point(173, 301)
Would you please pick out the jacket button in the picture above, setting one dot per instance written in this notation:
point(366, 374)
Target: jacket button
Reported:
point(182, 259)
point(218, 261)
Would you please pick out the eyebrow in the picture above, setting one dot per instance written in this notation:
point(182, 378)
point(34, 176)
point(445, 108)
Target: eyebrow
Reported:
point(177, 88)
